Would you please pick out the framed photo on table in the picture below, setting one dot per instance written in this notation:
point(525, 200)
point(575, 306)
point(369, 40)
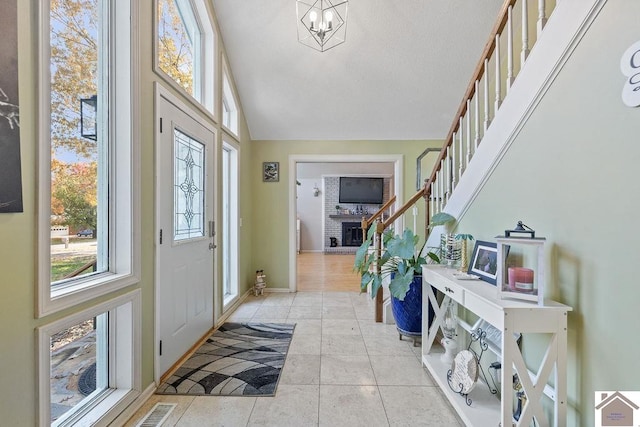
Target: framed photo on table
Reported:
point(484, 261)
point(270, 171)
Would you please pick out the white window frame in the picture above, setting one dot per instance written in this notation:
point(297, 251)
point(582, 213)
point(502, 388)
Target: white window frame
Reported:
point(124, 361)
point(230, 145)
point(230, 101)
point(124, 206)
point(204, 56)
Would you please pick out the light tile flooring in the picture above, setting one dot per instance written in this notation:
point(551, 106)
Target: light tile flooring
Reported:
point(342, 369)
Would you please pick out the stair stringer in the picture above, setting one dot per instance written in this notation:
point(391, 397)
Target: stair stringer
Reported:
point(563, 31)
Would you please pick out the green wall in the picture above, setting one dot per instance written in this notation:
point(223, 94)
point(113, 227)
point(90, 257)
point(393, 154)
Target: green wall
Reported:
point(270, 237)
point(17, 255)
point(571, 175)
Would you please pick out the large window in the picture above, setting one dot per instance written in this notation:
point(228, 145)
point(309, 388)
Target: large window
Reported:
point(86, 152)
point(230, 215)
point(87, 363)
point(87, 211)
point(78, 140)
point(185, 47)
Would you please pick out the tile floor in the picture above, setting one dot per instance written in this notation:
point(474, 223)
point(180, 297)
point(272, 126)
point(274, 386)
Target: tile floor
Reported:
point(342, 369)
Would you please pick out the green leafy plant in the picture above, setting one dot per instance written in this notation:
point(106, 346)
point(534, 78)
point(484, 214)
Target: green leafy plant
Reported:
point(401, 259)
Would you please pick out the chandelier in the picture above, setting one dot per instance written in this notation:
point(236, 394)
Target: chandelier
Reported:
point(322, 24)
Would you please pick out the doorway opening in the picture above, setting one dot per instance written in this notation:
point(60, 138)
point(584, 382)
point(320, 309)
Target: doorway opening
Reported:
point(320, 259)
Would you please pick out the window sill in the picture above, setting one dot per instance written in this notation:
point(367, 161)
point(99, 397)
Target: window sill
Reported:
point(83, 290)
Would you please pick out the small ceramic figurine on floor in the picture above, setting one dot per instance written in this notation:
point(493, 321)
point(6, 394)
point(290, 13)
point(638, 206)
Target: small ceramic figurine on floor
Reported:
point(260, 283)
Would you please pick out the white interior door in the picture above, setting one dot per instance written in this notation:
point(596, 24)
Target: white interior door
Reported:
point(184, 282)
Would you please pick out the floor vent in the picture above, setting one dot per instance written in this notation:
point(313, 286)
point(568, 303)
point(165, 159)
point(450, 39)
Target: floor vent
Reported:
point(157, 415)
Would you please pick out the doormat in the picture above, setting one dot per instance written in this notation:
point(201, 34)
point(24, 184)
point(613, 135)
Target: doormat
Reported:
point(239, 359)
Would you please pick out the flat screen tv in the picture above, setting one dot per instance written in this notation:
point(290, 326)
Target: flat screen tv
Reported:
point(361, 190)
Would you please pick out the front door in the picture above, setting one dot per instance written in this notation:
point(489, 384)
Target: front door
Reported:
point(185, 156)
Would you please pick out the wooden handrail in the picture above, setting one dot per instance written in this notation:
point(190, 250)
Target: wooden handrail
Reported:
point(367, 222)
point(420, 194)
point(471, 89)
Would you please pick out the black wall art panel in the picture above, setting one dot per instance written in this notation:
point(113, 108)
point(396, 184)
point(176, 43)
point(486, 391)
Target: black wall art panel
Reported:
point(10, 174)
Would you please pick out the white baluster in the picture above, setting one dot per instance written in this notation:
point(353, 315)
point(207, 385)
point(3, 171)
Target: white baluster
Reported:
point(525, 34)
point(487, 121)
point(449, 178)
point(461, 150)
point(509, 48)
point(432, 200)
point(468, 115)
point(441, 181)
point(454, 177)
point(498, 76)
point(437, 191)
point(461, 130)
point(542, 19)
point(476, 141)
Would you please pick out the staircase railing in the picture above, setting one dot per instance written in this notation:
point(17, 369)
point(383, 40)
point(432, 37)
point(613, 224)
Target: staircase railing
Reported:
point(382, 225)
point(485, 94)
point(481, 102)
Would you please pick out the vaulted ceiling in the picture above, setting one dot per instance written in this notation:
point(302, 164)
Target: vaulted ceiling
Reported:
point(400, 74)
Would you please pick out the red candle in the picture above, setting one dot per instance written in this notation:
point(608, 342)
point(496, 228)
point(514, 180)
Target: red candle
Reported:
point(520, 279)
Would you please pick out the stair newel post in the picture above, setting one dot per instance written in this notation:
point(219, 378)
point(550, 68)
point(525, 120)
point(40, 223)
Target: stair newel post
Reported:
point(476, 141)
point(378, 254)
point(542, 18)
point(525, 33)
point(498, 76)
point(487, 121)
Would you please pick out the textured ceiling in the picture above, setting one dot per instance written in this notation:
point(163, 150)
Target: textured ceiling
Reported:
point(401, 74)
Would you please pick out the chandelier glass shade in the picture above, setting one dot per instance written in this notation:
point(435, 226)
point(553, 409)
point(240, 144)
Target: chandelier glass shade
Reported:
point(322, 24)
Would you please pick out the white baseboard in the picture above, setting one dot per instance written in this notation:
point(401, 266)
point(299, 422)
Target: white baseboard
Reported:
point(135, 405)
point(277, 290)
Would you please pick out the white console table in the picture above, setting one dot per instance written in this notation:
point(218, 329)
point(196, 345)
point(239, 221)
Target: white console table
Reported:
point(510, 317)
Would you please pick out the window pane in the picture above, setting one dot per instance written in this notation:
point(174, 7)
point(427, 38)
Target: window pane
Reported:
point(78, 147)
point(188, 187)
point(178, 39)
point(78, 365)
point(229, 106)
point(226, 227)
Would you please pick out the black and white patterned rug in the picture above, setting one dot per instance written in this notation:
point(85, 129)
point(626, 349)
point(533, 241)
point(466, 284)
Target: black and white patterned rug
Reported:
point(239, 359)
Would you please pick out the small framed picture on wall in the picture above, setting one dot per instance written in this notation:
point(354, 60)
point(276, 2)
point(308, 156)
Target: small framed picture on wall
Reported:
point(270, 171)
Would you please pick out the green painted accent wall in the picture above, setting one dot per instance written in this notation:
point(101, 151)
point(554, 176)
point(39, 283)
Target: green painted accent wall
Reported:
point(270, 236)
point(571, 174)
